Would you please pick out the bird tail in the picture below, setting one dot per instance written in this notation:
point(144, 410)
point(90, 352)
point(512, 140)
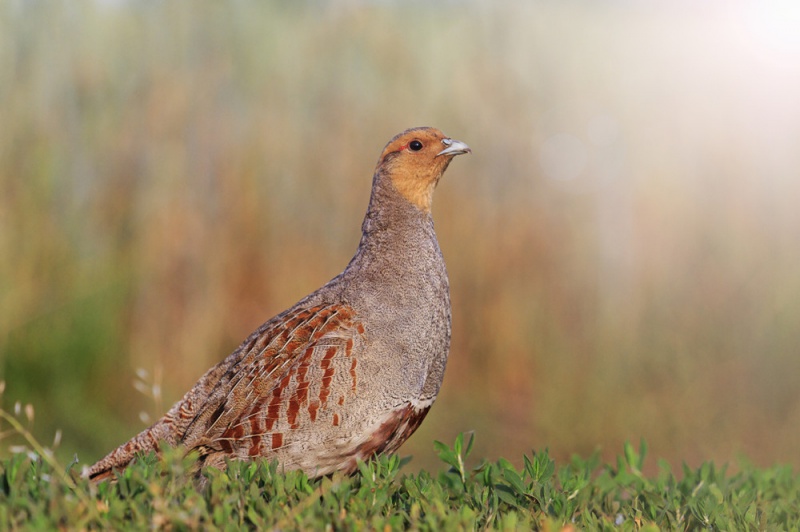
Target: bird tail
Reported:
point(146, 441)
point(170, 429)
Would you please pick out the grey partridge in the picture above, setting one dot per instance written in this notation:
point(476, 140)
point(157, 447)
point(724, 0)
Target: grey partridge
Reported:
point(350, 370)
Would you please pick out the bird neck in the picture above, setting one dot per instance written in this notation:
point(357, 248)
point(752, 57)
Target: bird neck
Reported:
point(393, 227)
point(390, 211)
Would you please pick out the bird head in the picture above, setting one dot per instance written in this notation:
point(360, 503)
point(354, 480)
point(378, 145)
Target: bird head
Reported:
point(415, 159)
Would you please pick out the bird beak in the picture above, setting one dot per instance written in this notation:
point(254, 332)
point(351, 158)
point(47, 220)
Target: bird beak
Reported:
point(454, 147)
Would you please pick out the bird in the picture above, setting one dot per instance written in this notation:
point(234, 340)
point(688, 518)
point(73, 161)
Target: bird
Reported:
point(349, 371)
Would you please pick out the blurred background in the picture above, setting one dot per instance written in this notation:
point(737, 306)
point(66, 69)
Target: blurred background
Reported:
point(623, 244)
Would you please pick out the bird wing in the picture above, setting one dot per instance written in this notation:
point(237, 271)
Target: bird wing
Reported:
point(285, 379)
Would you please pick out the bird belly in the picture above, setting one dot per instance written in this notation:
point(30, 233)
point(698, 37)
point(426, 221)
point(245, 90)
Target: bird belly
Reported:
point(385, 435)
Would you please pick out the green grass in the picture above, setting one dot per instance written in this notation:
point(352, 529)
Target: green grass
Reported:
point(543, 495)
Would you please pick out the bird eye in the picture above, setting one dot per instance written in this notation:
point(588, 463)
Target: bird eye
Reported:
point(415, 145)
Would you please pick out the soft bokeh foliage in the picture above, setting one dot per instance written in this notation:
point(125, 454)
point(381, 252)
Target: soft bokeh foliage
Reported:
point(623, 244)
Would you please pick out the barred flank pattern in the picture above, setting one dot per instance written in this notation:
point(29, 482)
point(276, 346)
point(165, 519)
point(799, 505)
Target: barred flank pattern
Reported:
point(282, 386)
point(264, 391)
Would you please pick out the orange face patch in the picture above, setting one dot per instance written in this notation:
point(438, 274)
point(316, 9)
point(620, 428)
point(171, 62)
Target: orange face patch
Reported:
point(414, 165)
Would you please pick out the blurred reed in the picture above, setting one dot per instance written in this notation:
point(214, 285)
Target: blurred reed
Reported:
point(623, 244)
